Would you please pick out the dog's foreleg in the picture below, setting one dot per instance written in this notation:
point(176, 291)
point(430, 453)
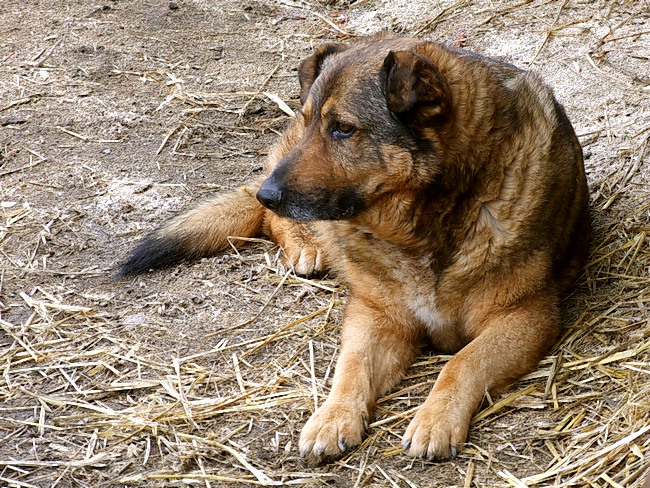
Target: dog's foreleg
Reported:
point(375, 352)
point(510, 343)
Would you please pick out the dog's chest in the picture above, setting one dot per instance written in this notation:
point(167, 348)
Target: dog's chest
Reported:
point(417, 281)
point(421, 306)
point(391, 275)
point(424, 310)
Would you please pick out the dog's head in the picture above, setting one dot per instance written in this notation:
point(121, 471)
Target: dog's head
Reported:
point(364, 109)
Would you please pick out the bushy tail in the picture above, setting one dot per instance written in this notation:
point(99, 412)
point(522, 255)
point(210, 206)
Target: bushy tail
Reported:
point(201, 232)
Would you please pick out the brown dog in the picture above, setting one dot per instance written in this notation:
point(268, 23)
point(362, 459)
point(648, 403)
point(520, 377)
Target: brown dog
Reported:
point(448, 190)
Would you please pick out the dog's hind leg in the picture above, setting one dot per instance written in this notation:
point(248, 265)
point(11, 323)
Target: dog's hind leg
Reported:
point(301, 248)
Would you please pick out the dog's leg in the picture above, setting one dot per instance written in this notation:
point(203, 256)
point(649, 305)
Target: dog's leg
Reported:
point(374, 355)
point(510, 343)
point(297, 240)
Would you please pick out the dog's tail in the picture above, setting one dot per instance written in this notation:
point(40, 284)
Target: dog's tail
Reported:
point(200, 232)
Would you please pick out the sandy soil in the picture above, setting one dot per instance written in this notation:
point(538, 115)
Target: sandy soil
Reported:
point(116, 114)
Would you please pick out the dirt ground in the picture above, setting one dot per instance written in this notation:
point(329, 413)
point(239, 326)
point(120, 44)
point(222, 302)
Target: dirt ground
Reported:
point(116, 114)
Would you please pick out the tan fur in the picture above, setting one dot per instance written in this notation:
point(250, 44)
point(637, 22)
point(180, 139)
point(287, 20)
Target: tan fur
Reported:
point(456, 212)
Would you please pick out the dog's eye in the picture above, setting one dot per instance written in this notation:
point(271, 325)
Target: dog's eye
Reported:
point(341, 130)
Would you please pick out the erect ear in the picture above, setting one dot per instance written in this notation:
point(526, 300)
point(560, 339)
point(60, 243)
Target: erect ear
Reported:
point(416, 91)
point(311, 67)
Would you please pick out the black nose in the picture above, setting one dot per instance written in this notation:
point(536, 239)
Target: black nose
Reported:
point(270, 196)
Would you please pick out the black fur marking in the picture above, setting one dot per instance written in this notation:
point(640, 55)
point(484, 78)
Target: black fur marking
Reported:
point(154, 252)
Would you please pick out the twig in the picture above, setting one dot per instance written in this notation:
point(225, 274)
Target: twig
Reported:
point(444, 11)
point(242, 111)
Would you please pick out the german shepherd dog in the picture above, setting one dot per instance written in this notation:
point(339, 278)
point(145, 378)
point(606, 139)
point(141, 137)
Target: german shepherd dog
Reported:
point(448, 190)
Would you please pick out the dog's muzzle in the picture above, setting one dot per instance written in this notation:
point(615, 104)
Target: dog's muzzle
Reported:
point(304, 206)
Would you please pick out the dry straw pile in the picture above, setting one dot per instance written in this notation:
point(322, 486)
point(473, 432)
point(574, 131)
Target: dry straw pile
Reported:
point(96, 391)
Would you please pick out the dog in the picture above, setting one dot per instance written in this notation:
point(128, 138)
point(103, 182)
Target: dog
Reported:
point(448, 191)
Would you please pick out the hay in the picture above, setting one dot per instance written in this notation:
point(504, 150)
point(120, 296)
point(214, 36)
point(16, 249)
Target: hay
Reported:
point(190, 377)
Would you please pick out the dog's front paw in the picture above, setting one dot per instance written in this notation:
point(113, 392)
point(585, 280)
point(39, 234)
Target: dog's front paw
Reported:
point(332, 430)
point(437, 431)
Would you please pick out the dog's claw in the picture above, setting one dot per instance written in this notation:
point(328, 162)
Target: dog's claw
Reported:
point(342, 446)
point(365, 422)
point(306, 451)
point(454, 451)
point(406, 445)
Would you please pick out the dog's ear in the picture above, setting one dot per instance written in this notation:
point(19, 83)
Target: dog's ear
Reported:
point(310, 68)
point(416, 91)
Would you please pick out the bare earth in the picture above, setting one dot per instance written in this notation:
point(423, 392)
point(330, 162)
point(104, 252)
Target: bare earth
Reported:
point(116, 114)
